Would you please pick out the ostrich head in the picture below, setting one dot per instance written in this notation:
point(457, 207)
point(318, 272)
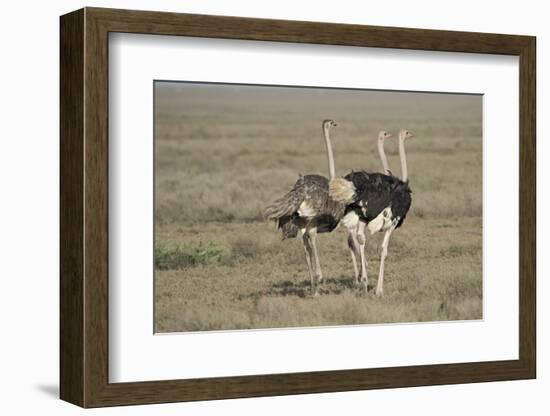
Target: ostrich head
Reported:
point(405, 134)
point(327, 124)
point(383, 135)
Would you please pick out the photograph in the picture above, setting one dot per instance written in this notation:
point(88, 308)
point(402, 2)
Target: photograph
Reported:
point(303, 206)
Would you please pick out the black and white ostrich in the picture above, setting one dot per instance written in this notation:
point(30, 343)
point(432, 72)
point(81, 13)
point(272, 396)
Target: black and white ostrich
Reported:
point(308, 209)
point(377, 202)
point(356, 226)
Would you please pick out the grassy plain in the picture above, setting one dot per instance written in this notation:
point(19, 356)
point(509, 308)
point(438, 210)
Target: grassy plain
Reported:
point(222, 153)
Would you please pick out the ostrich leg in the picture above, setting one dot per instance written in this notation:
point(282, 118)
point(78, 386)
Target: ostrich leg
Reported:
point(353, 245)
point(308, 250)
point(317, 274)
point(385, 242)
point(362, 242)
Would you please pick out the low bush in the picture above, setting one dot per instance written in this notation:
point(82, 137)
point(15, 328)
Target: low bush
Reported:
point(189, 255)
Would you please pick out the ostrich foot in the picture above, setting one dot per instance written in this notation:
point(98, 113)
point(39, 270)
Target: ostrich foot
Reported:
point(379, 292)
point(315, 286)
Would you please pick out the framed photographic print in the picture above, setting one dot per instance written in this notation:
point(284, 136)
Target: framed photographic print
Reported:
point(255, 207)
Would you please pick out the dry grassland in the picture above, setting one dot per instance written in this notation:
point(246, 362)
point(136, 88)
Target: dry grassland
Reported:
point(224, 152)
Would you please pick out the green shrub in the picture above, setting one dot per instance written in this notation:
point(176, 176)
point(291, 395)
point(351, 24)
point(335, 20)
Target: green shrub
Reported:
point(188, 255)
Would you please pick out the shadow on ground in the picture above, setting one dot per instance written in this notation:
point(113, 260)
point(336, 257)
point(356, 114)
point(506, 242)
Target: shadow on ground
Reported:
point(302, 289)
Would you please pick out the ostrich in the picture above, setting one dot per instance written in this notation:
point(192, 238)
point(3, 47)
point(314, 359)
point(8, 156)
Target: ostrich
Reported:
point(308, 208)
point(377, 202)
point(356, 226)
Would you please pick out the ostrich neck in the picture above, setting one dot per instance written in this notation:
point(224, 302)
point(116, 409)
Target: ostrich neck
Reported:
point(383, 158)
point(403, 157)
point(331, 170)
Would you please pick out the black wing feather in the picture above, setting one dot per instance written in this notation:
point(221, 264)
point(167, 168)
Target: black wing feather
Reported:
point(377, 191)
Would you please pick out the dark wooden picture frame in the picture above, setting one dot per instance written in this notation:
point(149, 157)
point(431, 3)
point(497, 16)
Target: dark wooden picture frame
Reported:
point(84, 207)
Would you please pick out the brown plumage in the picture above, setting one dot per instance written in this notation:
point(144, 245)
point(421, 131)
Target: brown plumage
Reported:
point(307, 204)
